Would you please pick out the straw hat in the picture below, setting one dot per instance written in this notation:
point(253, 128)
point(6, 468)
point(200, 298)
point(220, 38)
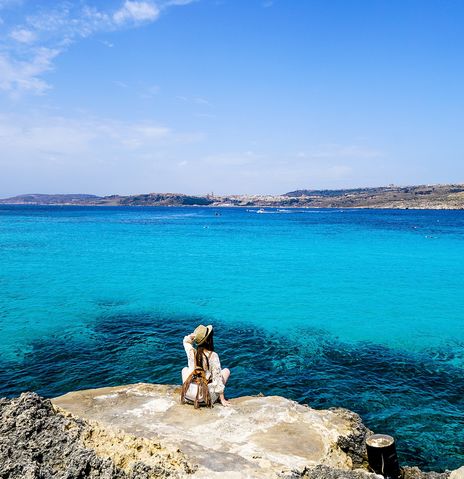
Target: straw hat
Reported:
point(202, 332)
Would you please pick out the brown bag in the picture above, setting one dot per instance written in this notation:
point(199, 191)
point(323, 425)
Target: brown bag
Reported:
point(202, 396)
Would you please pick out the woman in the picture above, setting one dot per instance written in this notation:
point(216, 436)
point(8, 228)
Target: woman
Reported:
point(205, 357)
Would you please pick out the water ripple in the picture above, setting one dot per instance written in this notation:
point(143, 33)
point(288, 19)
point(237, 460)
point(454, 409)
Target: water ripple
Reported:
point(419, 398)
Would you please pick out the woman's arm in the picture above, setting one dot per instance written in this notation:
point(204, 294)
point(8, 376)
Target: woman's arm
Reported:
point(189, 349)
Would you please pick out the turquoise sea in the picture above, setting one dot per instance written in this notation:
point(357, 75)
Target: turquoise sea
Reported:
point(356, 308)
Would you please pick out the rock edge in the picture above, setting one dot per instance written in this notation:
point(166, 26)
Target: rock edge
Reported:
point(41, 440)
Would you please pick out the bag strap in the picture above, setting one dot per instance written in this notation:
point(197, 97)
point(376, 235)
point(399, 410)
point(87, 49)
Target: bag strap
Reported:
point(198, 376)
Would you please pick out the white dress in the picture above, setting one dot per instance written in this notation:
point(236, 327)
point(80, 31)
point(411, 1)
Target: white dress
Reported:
point(213, 373)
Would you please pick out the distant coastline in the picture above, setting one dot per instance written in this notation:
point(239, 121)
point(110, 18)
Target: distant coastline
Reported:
point(449, 197)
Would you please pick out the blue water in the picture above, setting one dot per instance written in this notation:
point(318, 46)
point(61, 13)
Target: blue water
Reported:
point(356, 308)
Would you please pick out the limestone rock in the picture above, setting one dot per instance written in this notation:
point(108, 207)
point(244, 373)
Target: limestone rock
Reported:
point(38, 443)
point(354, 444)
point(457, 474)
point(255, 437)
point(141, 431)
point(416, 473)
point(326, 472)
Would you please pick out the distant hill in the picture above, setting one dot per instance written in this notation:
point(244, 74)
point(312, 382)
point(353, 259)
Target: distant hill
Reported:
point(42, 199)
point(419, 197)
point(332, 193)
point(394, 197)
point(149, 199)
point(165, 199)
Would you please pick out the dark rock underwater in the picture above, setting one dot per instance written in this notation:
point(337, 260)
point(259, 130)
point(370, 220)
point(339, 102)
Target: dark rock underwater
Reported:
point(320, 371)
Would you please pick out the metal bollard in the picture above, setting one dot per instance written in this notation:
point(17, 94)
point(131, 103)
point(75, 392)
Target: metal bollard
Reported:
point(381, 455)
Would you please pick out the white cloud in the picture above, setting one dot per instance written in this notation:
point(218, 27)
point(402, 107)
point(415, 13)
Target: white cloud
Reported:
point(101, 155)
point(205, 115)
point(150, 131)
point(56, 21)
point(261, 172)
point(136, 12)
point(120, 84)
point(194, 100)
point(177, 2)
point(88, 154)
point(138, 136)
point(58, 139)
point(23, 35)
point(54, 29)
point(17, 75)
point(31, 137)
point(201, 101)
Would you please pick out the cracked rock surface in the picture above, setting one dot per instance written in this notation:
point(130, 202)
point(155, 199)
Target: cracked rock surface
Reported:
point(255, 437)
point(141, 431)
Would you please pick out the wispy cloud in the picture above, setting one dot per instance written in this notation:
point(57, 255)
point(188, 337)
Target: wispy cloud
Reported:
point(194, 100)
point(258, 171)
point(170, 3)
point(136, 12)
point(121, 84)
point(43, 134)
point(30, 47)
point(22, 35)
point(77, 152)
point(143, 91)
point(140, 135)
point(26, 75)
point(95, 154)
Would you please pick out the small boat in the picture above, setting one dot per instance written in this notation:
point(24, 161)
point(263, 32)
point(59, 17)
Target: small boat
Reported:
point(261, 210)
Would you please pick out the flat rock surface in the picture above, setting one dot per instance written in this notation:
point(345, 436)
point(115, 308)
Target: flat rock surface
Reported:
point(255, 437)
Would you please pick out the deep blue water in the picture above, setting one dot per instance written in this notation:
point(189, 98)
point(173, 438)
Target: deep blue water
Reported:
point(361, 309)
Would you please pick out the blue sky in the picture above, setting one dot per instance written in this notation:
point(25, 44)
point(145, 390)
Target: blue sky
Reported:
point(230, 96)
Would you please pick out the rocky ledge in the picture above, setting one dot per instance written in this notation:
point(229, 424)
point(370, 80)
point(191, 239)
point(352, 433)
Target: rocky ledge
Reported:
point(141, 431)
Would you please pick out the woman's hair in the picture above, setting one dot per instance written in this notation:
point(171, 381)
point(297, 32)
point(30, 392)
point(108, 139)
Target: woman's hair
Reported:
point(201, 360)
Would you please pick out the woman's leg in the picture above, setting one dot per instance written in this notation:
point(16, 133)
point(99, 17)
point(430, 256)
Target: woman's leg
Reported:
point(185, 374)
point(225, 375)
